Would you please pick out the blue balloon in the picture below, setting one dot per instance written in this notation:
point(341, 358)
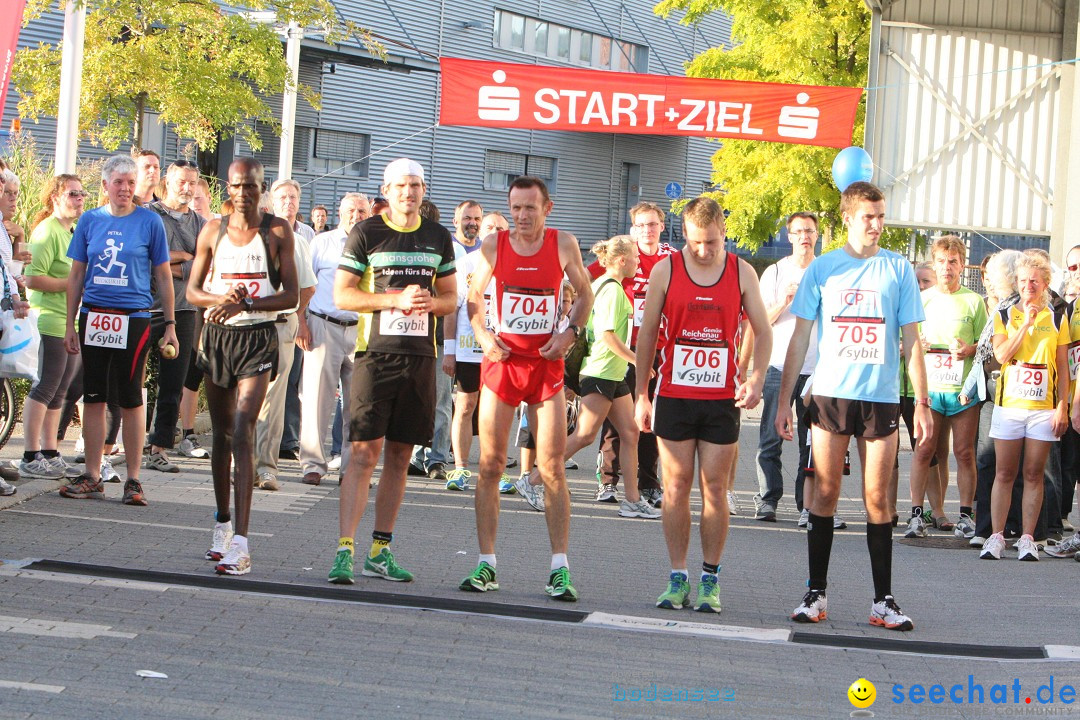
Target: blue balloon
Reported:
point(852, 164)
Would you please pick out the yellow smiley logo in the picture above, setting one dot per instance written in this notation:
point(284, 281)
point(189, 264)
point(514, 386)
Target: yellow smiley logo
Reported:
point(862, 693)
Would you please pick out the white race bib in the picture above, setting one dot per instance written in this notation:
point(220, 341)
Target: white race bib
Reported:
point(107, 330)
point(528, 312)
point(1027, 381)
point(1074, 359)
point(639, 310)
point(403, 322)
point(942, 370)
point(859, 340)
point(698, 366)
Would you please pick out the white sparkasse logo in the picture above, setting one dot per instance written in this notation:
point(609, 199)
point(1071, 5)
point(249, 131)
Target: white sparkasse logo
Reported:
point(799, 122)
point(498, 103)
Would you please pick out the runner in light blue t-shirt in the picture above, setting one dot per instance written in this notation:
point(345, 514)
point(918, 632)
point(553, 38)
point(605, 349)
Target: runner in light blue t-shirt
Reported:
point(864, 300)
point(859, 305)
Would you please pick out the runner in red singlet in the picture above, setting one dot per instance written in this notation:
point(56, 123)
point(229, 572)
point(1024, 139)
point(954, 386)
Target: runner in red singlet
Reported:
point(523, 362)
point(701, 294)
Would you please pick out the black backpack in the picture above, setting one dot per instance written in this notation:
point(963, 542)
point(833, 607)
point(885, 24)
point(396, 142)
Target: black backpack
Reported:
point(575, 356)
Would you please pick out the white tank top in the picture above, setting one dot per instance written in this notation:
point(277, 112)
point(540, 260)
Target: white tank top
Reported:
point(247, 265)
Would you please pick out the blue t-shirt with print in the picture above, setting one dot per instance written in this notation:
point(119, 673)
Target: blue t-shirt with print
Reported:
point(859, 306)
point(120, 253)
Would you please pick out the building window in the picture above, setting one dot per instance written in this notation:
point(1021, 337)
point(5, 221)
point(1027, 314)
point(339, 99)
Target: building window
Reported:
point(500, 169)
point(540, 38)
point(567, 44)
point(337, 151)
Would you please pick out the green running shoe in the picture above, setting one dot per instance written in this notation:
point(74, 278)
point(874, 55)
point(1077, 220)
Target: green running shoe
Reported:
point(342, 572)
point(383, 566)
point(482, 579)
point(506, 485)
point(675, 598)
point(458, 479)
point(708, 594)
point(559, 586)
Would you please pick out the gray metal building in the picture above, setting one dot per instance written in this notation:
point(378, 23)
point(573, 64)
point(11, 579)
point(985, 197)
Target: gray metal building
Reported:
point(374, 112)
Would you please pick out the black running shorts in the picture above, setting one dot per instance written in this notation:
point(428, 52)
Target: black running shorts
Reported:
point(230, 353)
point(116, 373)
point(860, 418)
point(467, 377)
point(393, 397)
point(713, 421)
point(611, 389)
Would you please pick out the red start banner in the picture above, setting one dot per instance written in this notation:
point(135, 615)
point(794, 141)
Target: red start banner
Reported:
point(11, 13)
point(510, 95)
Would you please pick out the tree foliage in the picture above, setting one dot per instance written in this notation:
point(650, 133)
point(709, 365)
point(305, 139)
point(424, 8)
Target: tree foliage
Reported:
point(204, 67)
point(812, 42)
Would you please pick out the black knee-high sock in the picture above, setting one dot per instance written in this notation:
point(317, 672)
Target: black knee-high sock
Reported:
point(819, 536)
point(879, 543)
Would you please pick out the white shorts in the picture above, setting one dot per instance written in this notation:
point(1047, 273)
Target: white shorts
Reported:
point(1016, 424)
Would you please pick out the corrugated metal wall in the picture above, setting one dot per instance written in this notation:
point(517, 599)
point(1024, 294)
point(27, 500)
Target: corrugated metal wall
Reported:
point(967, 110)
point(392, 106)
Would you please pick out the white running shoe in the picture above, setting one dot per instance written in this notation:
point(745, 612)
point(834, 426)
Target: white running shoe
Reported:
point(991, 549)
point(1066, 548)
point(39, 467)
point(236, 562)
point(7, 488)
point(887, 614)
point(732, 504)
point(813, 608)
point(223, 534)
point(640, 509)
point(533, 494)
point(334, 464)
point(804, 518)
point(916, 527)
point(108, 474)
point(69, 470)
point(965, 527)
point(1026, 549)
point(191, 447)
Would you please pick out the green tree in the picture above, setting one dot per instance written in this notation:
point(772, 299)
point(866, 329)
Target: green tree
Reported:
point(204, 67)
point(812, 42)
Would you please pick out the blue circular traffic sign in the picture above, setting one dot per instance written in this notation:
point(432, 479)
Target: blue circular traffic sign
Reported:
point(673, 190)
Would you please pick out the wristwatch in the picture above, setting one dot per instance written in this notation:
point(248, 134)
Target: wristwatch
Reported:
point(922, 401)
point(576, 330)
point(248, 303)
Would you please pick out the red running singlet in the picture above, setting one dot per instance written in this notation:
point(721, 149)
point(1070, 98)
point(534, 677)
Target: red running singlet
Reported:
point(527, 294)
point(701, 338)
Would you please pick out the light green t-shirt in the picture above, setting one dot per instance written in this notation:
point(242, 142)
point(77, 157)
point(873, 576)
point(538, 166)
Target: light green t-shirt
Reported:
point(949, 316)
point(611, 311)
point(49, 246)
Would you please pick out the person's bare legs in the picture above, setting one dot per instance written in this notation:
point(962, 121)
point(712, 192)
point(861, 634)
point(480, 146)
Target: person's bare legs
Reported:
point(1035, 454)
point(234, 412)
point(550, 432)
point(621, 416)
point(920, 464)
point(715, 462)
point(355, 483)
point(391, 490)
point(965, 428)
point(677, 463)
point(1007, 454)
point(495, 420)
point(221, 403)
point(461, 433)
